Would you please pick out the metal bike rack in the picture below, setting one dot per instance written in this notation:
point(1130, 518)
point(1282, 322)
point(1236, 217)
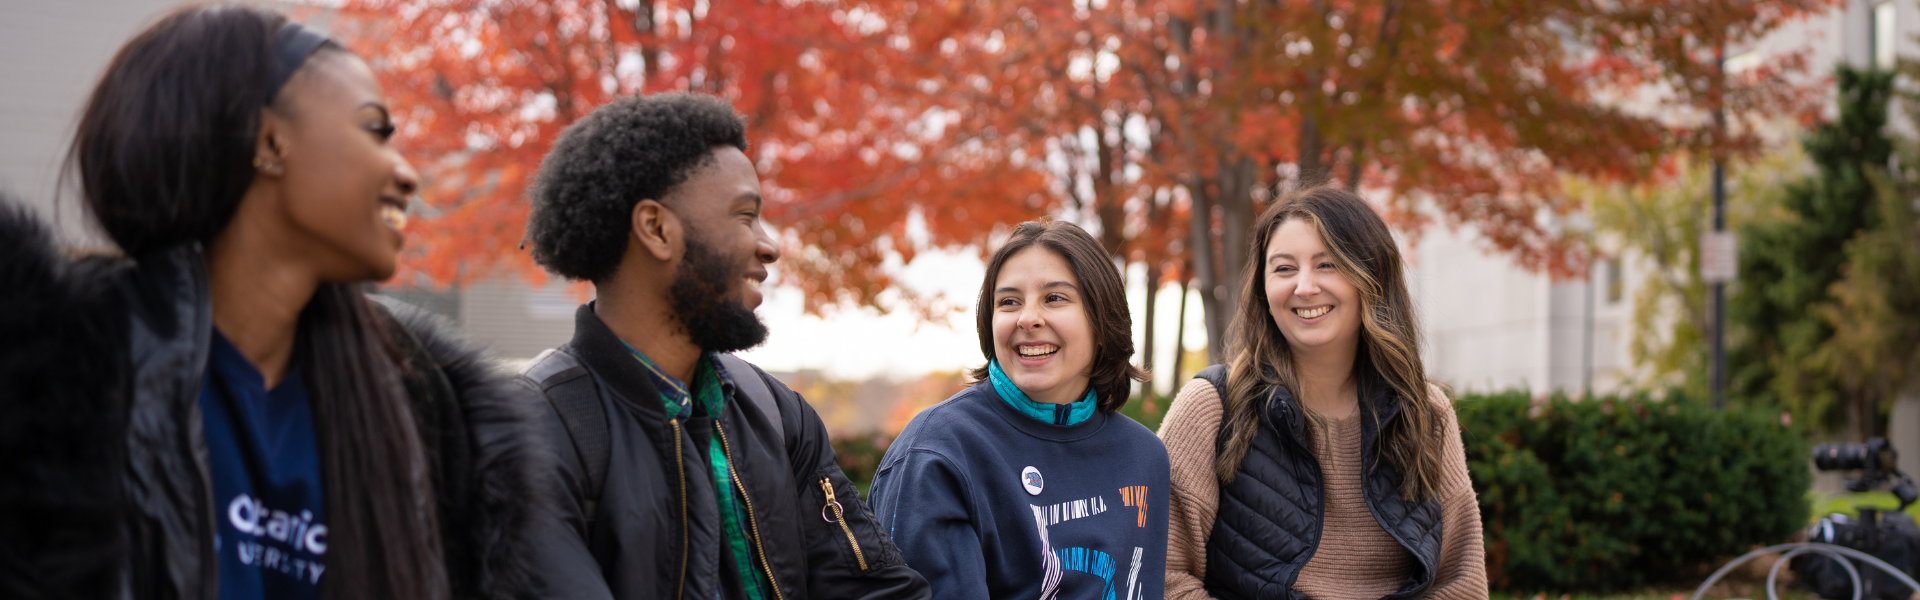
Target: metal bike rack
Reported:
point(1840, 554)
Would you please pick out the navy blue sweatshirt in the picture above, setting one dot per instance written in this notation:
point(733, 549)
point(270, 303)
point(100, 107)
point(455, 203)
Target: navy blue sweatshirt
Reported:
point(987, 502)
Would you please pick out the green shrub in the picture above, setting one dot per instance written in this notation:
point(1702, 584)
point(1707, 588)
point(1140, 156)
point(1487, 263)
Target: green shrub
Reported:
point(859, 456)
point(1615, 493)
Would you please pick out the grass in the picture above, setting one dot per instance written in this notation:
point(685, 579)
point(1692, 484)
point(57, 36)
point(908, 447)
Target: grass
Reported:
point(1822, 505)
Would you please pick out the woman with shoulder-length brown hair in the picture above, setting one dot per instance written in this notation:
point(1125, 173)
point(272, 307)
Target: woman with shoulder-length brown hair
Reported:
point(1319, 462)
point(1030, 483)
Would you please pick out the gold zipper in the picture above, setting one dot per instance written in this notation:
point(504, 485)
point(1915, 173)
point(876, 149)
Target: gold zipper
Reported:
point(751, 521)
point(679, 460)
point(840, 516)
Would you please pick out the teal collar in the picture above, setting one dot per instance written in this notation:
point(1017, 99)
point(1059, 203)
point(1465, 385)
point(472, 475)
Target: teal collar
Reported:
point(1057, 414)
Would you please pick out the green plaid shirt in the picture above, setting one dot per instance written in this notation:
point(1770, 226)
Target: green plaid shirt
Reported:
point(708, 396)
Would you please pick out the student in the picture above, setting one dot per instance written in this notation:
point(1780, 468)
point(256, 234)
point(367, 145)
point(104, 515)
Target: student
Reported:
point(686, 472)
point(222, 412)
point(1028, 484)
point(1319, 463)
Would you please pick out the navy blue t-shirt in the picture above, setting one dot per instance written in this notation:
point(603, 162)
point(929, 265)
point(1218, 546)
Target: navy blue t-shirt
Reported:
point(272, 539)
point(987, 502)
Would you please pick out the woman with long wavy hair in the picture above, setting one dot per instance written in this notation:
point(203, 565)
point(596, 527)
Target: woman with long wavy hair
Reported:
point(1319, 462)
point(219, 411)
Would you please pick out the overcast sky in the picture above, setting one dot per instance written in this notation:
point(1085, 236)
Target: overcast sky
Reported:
point(861, 343)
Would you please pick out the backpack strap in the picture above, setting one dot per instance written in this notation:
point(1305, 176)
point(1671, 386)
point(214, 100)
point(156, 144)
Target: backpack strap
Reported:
point(570, 389)
point(747, 382)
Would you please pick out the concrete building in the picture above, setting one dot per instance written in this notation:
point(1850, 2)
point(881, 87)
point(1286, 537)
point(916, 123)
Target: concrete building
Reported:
point(52, 53)
point(1491, 325)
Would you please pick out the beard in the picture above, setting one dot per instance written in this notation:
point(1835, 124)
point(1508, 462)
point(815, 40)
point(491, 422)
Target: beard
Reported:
point(707, 302)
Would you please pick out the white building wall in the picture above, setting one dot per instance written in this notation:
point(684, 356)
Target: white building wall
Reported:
point(1491, 325)
point(518, 320)
point(1483, 318)
point(51, 55)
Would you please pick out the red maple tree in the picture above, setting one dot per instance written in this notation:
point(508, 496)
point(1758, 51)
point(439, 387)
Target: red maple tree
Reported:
point(889, 127)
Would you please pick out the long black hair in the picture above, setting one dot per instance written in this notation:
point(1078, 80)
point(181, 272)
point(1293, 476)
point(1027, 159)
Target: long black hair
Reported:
point(163, 153)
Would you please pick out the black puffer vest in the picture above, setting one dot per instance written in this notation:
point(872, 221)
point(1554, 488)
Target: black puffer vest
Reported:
point(1268, 524)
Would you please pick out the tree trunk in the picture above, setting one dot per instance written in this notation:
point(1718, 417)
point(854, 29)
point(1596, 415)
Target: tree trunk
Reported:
point(1354, 167)
point(1180, 334)
point(1307, 153)
point(1146, 355)
point(1236, 216)
point(1200, 242)
point(1860, 414)
point(1106, 201)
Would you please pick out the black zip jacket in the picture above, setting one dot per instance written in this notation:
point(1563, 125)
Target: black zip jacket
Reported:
point(104, 483)
point(656, 532)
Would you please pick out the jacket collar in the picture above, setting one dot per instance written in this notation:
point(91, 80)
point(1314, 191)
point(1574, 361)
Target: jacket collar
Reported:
point(170, 329)
point(610, 360)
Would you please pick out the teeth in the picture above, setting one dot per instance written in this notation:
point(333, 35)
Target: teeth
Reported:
point(393, 216)
point(1312, 312)
point(1037, 350)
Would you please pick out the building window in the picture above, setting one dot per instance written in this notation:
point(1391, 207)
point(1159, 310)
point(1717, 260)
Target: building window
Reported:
point(1885, 35)
point(1616, 281)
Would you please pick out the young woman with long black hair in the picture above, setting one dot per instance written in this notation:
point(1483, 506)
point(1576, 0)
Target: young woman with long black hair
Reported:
point(220, 412)
point(1319, 462)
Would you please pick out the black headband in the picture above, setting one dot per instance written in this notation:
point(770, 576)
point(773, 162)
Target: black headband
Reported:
point(291, 47)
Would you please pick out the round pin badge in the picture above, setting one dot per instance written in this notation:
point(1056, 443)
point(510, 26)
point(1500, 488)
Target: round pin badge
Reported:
point(1030, 479)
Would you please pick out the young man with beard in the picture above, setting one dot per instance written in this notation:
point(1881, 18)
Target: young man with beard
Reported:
point(685, 472)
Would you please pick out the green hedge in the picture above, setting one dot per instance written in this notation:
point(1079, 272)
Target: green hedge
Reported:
point(859, 456)
point(1614, 493)
point(1599, 495)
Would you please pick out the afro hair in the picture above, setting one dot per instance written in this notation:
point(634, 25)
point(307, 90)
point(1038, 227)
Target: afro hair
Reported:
point(632, 149)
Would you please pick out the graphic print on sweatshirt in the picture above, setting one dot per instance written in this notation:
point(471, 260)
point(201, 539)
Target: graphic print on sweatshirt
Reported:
point(989, 503)
point(276, 540)
point(1085, 560)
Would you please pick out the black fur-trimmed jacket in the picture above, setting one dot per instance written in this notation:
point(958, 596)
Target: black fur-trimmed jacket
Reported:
point(104, 483)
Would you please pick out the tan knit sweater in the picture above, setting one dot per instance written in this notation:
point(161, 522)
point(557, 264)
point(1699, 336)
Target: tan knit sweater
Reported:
point(1356, 558)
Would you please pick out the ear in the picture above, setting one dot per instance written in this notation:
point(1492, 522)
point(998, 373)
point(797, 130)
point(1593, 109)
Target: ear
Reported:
point(269, 149)
point(656, 230)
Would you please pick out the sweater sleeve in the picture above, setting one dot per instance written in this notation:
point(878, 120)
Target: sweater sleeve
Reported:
point(1463, 563)
point(922, 503)
point(1191, 425)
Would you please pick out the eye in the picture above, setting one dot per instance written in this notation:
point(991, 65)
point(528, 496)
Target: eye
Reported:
point(1326, 266)
point(1283, 269)
point(1056, 297)
point(1006, 302)
point(382, 130)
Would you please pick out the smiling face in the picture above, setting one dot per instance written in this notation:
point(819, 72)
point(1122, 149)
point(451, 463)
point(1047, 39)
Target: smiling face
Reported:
point(1311, 301)
point(1041, 334)
point(716, 284)
point(343, 189)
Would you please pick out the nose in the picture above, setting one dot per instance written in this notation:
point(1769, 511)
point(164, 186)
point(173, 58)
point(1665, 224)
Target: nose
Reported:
point(1306, 284)
point(405, 178)
point(1030, 318)
point(764, 245)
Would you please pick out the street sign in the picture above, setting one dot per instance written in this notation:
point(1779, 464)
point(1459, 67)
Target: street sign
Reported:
point(1719, 257)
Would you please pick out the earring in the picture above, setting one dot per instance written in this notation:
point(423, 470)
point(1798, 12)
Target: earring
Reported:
point(264, 166)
